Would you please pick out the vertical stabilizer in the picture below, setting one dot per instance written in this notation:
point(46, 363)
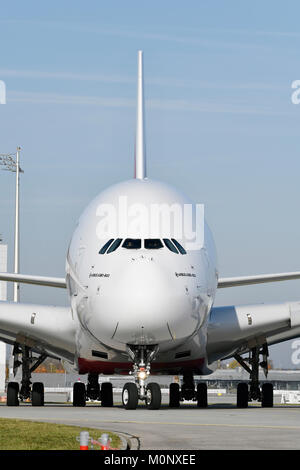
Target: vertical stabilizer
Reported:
point(140, 147)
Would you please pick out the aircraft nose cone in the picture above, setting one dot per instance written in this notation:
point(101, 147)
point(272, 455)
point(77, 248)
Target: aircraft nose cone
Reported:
point(144, 288)
point(145, 307)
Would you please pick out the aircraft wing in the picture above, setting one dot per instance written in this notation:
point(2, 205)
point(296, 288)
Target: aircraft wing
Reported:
point(38, 280)
point(258, 279)
point(222, 282)
point(236, 329)
point(46, 329)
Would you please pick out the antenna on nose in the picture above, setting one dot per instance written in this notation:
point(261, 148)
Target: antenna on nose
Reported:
point(140, 146)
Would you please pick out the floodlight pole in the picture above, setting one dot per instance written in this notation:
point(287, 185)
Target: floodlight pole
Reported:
point(17, 231)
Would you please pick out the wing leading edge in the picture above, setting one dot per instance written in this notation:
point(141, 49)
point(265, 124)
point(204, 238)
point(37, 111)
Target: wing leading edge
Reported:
point(222, 282)
point(236, 329)
point(37, 280)
point(257, 279)
point(44, 328)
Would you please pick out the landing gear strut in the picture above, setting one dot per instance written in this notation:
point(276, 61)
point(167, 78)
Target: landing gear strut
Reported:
point(93, 387)
point(29, 364)
point(188, 391)
point(92, 391)
point(133, 392)
point(263, 393)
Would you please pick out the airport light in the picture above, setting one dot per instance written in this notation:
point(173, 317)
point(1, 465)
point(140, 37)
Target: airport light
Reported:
point(11, 162)
point(142, 374)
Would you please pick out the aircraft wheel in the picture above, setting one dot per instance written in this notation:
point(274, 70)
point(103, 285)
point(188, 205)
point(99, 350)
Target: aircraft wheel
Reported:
point(242, 395)
point(153, 396)
point(130, 396)
point(174, 396)
point(79, 394)
point(107, 394)
point(37, 394)
point(267, 395)
point(12, 394)
point(201, 395)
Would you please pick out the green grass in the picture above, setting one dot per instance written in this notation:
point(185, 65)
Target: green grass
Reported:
point(30, 435)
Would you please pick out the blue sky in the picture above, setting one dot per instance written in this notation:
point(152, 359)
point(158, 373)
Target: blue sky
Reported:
point(220, 125)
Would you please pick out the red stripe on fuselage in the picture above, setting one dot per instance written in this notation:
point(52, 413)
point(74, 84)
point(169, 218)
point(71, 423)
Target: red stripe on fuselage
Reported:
point(101, 367)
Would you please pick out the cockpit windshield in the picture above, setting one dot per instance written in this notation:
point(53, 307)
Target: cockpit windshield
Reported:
point(137, 243)
point(105, 246)
point(115, 245)
point(180, 248)
point(153, 243)
point(170, 245)
point(132, 243)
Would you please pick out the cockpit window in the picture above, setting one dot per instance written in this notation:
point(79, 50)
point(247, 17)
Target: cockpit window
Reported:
point(115, 245)
point(153, 243)
point(105, 246)
point(132, 243)
point(136, 243)
point(170, 245)
point(180, 248)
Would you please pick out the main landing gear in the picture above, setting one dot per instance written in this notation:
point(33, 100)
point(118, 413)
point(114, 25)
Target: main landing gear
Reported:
point(188, 391)
point(253, 391)
point(35, 393)
point(92, 391)
point(133, 392)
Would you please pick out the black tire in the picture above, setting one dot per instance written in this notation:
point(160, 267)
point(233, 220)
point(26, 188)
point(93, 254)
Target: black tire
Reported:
point(130, 396)
point(174, 396)
point(267, 395)
point(79, 394)
point(12, 394)
point(107, 394)
point(201, 395)
point(242, 395)
point(37, 398)
point(153, 396)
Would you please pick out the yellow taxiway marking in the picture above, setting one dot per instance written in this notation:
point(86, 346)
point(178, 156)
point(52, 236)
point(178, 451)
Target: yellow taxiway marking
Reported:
point(263, 426)
point(166, 423)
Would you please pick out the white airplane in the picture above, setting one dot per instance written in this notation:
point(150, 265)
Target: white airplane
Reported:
point(142, 304)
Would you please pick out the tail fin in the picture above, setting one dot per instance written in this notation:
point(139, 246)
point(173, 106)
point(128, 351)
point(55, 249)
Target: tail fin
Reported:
point(140, 146)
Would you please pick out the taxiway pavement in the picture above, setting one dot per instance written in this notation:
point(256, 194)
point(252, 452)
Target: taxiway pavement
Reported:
point(220, 426)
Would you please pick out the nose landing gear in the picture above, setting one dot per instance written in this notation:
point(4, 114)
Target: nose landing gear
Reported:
point(133, 392)
point(153, 396)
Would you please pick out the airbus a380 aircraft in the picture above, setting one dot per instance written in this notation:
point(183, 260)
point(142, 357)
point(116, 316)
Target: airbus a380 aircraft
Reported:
point(141, 302)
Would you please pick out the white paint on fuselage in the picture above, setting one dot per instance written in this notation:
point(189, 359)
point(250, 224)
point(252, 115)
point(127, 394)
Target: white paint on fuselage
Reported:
point(140, 296)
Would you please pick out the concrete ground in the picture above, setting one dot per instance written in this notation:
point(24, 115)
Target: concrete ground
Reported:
point(220, 426)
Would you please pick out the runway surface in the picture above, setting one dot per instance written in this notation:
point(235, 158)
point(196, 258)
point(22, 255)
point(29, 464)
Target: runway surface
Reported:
point(220, 426)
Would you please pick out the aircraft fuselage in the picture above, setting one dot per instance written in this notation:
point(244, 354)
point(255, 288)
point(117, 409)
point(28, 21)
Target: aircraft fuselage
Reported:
point(145, 294)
